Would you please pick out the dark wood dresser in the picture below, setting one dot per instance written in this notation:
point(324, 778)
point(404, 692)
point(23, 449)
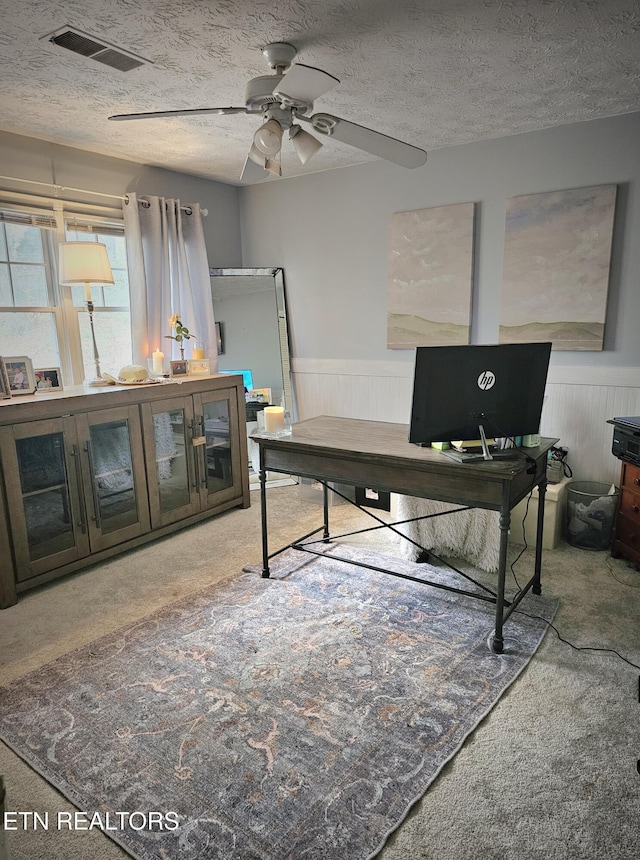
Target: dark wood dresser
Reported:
point(626, 541)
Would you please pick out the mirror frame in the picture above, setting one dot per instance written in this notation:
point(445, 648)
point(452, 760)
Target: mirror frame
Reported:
point(283, 329)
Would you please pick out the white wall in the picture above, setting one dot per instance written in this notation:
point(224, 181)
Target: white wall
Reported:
point(28, 158)
point(329, 233)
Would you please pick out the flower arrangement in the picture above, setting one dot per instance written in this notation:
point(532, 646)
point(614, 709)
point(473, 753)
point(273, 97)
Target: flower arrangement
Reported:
point(182, 333)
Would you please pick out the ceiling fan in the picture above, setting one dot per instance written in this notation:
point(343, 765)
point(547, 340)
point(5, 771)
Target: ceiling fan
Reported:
point(283, 99)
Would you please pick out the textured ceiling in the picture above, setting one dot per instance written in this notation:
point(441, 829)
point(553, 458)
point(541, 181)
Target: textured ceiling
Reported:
point(433, 73)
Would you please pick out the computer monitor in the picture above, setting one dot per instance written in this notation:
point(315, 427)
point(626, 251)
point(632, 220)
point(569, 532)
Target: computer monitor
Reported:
point(465, 392)
point(247, 375)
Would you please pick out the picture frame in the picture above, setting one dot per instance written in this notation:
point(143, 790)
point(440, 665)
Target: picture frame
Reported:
point(48, 379)
point(259, 395)
point(199, 367)
point(5, 391)
point(180, 367)
point(20, 375)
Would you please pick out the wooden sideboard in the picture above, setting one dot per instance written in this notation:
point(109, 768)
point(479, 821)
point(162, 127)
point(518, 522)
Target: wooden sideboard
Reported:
point(86, 473)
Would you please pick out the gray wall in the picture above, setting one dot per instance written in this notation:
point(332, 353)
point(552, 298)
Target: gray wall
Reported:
point(28, 158)
point(329, 233)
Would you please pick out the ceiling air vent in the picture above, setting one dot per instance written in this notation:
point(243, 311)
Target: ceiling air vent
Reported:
point(95, 49)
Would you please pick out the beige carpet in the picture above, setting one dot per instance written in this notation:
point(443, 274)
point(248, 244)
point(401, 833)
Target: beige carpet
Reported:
point(551, 772)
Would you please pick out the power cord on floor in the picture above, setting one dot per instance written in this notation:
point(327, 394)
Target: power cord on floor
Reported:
point(578, 647)
point(541, 618)
point(621, 581)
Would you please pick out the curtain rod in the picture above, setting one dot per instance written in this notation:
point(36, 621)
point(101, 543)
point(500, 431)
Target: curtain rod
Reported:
point(59, 188)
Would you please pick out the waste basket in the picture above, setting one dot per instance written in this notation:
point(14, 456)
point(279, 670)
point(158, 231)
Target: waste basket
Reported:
point(591, 512)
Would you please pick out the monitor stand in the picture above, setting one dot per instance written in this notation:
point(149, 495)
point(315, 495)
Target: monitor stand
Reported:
point(468, 457)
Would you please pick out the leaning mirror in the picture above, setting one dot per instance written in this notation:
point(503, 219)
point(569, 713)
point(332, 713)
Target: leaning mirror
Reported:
point(249, 307)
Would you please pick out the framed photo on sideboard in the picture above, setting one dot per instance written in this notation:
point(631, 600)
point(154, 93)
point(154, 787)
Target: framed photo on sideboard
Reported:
point(20, 375)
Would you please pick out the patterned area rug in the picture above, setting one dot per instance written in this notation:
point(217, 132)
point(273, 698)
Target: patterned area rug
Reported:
point(298, 717)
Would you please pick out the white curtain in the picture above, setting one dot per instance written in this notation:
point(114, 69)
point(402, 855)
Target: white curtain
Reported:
point(168, 274)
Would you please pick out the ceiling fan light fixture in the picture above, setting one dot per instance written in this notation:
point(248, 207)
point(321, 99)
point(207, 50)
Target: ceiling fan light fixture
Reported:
point(268, 138)
point(272, 165)
point(305, 144)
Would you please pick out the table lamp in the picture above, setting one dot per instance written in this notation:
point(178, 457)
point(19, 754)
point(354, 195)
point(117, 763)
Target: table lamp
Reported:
point(86, 263)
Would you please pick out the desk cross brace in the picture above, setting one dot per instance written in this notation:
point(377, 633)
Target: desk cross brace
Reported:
point(475, 594)
point(302, 544)
point(391, 527)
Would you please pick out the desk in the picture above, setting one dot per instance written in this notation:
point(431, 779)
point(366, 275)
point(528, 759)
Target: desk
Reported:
point(378, 455)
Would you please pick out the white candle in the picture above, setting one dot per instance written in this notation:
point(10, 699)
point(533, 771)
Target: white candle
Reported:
point(273, 419)
point(158, 361)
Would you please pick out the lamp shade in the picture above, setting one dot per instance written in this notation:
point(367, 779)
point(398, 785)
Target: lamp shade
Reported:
point(84, 263)
point(305, 144)
point(268, 138)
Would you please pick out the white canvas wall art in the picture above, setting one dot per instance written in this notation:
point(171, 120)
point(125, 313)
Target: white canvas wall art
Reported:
point(430, 271)
point(556, 267)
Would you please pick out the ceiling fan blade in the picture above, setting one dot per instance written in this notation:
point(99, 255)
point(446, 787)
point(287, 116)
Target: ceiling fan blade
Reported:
point(255, 167)
point(363, 138)
point(304, 83)
point(188, 112)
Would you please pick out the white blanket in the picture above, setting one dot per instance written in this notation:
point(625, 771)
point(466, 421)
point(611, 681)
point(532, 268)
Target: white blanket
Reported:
point(473, 535)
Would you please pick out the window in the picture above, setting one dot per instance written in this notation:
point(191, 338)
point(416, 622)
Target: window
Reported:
point(48, 322)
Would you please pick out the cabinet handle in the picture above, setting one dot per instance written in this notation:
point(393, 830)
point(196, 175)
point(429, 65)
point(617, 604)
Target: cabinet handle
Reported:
point(75, 452)
point(194, 457)
point(637, 481)
point(94, 488)
point(204, 452)
point(635, 509)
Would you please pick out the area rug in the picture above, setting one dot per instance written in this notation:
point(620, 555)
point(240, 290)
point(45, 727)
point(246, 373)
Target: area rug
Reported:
point(291, 718)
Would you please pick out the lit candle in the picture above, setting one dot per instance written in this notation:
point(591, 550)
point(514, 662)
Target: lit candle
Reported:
point(198, 353)
point(273, 419)
point(158, 361)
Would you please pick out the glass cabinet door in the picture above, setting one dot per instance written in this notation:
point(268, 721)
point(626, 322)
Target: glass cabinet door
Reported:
point(114, 477)
point(44, 491)
point(193, 454)
point(8, 594)
point(219, 460)
point(168, 427)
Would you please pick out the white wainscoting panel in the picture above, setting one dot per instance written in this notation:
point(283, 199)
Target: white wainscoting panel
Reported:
point(578, 403)
point(578, 415)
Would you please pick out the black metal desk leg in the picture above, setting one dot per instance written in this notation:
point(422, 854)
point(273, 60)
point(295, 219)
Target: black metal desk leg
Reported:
point(325, 506)
point(263, 512)
point(542, 490)
point(505, 521)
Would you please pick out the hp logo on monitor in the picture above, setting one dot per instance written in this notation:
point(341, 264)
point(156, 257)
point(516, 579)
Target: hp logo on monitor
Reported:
point(486, 380)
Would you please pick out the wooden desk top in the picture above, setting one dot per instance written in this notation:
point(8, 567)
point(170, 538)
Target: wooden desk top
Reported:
point(378, 454)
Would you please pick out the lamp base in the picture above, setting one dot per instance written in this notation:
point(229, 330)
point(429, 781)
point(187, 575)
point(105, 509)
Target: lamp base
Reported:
point(98, 380)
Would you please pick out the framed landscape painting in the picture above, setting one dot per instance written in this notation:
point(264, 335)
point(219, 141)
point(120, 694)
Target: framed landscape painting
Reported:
point(430, 276)
point(557, 258)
